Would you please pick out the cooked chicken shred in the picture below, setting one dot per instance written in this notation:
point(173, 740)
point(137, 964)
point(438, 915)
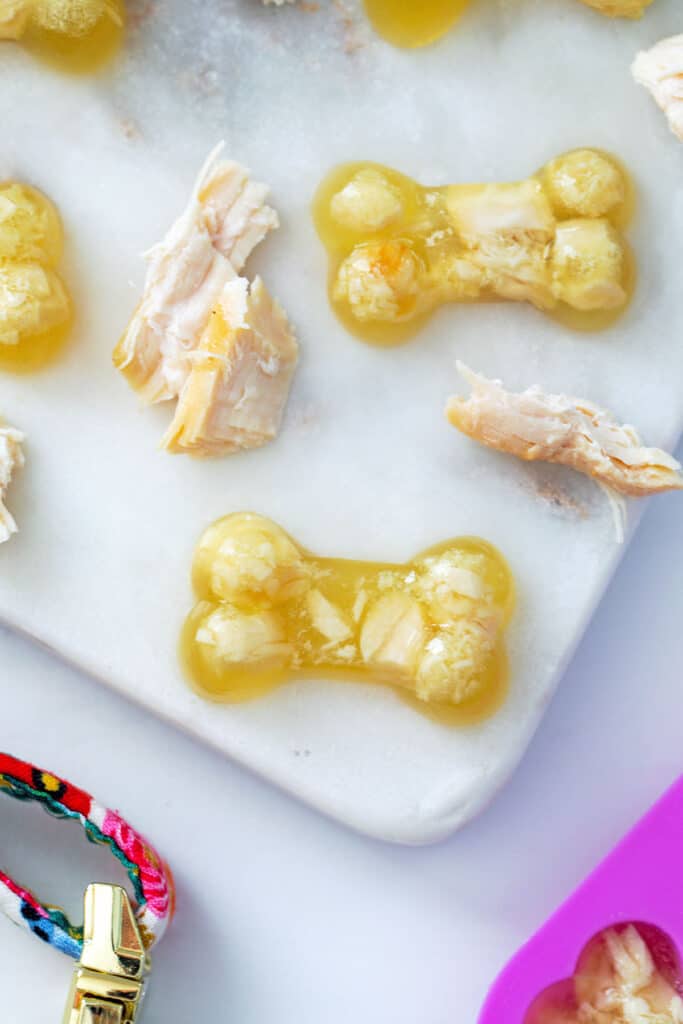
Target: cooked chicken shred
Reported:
point(661, 71)
point(269, 611)
point(536, 426)
point(11, 459)
point(203, 334)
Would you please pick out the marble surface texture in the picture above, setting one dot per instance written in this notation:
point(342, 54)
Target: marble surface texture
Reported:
point(366, 465)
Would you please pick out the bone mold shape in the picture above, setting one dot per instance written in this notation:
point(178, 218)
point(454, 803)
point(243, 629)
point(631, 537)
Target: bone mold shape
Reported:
point(269, 611)
point(398, 250)
point(418, 24)
point(203, 333)
point(35, 308)
point(79, 35)
point(637, 886)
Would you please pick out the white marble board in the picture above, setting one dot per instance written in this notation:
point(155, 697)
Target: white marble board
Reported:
point(366, 465)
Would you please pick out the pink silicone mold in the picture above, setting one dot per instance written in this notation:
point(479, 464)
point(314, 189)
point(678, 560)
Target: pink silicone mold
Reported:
point(638, 882)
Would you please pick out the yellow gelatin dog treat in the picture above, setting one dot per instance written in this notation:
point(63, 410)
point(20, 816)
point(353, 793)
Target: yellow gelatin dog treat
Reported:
point(35, 309)
point(410, 23)
point(11, 459)
point(269, 611)
point(78, 35)
point(398, 250)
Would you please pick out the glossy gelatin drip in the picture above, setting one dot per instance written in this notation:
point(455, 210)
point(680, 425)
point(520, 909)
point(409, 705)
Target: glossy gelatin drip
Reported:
point(398, 250)
point(35, 308)
point(413, 23)
point(74, 35)
point(269, 611)
point(628, 974)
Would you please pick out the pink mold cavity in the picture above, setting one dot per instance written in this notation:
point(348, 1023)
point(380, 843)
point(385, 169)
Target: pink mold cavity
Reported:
point(627, 972)
point(637, 887)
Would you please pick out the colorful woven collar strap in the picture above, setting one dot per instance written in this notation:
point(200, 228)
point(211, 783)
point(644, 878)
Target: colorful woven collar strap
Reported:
point(149, 876)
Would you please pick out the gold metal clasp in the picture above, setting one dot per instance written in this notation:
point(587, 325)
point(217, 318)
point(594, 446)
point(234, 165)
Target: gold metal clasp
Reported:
point(107, 985)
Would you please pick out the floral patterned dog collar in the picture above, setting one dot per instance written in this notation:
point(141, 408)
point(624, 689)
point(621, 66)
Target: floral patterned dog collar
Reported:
point(150, 877)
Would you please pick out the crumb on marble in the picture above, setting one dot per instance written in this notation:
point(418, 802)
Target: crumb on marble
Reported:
point(139, 13)
point(352, 38)
point(130, 128)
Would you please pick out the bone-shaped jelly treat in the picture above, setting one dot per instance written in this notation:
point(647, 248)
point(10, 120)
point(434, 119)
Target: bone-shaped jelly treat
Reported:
point(398, 250)
point(409, 23)
point(35, 309)
point(78, 34)
point(269, 611)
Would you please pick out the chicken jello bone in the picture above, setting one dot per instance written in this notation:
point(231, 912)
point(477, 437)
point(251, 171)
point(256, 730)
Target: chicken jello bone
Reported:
point(269, 611)
point(205, 335)
point(78, 33)
point(35, 309)
point(418, 24)
point(398, 250)
point(612, 953)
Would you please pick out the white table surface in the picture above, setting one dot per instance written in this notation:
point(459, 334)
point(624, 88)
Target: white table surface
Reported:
point(286, 918)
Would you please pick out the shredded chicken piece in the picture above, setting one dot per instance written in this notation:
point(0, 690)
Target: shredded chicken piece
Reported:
point(237, 388)
point(661, 71)
point(571, 431)
point(202, 334)
point(11, 459)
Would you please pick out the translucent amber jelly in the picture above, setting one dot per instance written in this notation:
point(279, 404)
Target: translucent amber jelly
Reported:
point(398, 250)
point(269, 611)
point(413, 23)
point(628, 974)
point(74, 35)
point(35, 309)
point(410, 23)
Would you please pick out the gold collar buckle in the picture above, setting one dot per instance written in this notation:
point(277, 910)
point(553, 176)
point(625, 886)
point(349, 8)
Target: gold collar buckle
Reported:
point(108, 981)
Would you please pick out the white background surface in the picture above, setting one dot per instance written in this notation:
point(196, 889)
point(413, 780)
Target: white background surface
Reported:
point(286, 918)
